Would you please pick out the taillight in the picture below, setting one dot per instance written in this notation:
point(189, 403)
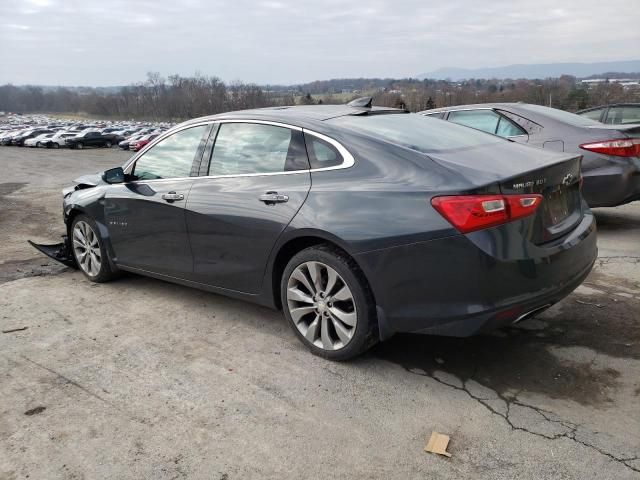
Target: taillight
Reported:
point(623, 147)
point(474, 212)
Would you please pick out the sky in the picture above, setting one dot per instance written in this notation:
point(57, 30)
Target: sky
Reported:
point(116, 42)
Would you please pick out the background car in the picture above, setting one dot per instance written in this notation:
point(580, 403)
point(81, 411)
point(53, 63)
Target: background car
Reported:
point(6, 138)
point(358, 222)
point(142, 141)
point(611, 153)
point(126, 143)
point(616, 114)
point(89, 138)
point(19, 140)
point(39, 140)
point(59, 139)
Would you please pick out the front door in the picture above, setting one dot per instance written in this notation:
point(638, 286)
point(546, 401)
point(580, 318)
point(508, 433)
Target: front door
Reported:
point(258, 179)
point(145, 216)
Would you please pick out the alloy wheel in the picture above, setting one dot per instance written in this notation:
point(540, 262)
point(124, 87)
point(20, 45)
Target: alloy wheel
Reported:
point(321, 305)
point(86, 247)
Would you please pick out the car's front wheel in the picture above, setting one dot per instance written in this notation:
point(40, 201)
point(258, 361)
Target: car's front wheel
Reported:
point(328, 302)
point(89, 250)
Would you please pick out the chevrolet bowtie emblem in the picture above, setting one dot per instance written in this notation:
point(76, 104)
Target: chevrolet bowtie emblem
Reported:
point(568, 178)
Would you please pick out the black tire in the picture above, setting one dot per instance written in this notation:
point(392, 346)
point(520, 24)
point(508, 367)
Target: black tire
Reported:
point(55, 145)
point(107, 144)
point(366, 328)
point(79, 146)
point(105, 272)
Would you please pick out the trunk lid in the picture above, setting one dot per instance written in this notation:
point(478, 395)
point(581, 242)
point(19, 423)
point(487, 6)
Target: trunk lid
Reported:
point(519, 169)
point(561, 207)
point(611, 131)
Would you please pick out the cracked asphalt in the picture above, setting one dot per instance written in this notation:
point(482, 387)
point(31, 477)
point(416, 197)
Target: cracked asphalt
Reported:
point(142, 379)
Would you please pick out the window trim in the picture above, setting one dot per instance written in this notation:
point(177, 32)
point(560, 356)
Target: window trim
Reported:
point(347, 159)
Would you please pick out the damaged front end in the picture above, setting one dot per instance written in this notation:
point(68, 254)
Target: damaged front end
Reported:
point(60, 252)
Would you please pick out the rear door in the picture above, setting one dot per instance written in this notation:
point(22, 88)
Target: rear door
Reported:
point(145, 217)
point(93, 139)
point(255, 179)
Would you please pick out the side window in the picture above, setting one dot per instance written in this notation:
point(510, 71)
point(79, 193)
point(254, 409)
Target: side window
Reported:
point(485, 120)
point(527, 125)
point(243, 148)
point(622, 115)
point(506, 128)
point(592, 114)
point(172, 157)
point(321, 153)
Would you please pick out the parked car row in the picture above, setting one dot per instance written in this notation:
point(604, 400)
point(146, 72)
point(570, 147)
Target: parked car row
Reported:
point(43, 132)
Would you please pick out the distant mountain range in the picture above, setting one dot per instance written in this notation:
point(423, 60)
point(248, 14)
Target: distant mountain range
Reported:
point(541, 70)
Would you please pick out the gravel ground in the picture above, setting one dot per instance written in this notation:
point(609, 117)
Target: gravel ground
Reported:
point(143, 379)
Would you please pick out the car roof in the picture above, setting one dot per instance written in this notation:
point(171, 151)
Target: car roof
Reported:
point(299, 115)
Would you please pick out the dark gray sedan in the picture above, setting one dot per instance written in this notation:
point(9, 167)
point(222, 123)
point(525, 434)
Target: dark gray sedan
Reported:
point(358, 222)
point(611, 153)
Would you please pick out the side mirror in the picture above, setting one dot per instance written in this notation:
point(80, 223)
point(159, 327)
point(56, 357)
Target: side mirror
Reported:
point(113, 175)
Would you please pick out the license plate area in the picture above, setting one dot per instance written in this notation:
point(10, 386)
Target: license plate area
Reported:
point(558, 207)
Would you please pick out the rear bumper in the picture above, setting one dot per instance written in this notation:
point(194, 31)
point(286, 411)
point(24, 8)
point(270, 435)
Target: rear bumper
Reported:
point(612, 185)
point(466, 284)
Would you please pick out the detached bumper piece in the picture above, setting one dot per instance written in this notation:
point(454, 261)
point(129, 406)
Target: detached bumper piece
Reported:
point(60, 252)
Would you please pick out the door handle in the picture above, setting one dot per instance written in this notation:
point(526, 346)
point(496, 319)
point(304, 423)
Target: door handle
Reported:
point(271, 198)
point(172, 196)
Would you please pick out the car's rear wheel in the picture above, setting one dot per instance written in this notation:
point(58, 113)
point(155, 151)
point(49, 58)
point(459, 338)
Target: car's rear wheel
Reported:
point(89, 250)
point(329, 303)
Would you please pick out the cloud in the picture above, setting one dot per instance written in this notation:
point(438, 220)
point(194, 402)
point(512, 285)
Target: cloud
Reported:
point(287, 41)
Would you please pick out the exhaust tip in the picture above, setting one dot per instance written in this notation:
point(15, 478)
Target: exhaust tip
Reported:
point(531, 313)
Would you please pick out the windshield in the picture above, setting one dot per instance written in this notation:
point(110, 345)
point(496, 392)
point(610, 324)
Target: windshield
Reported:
point(417, 132)
point(561, 115)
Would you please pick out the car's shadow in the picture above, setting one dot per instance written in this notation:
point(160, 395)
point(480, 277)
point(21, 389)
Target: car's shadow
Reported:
point(527, 357)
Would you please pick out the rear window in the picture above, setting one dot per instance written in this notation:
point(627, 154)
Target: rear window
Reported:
point(417, 132)
point(623, 115)
point(561, 115)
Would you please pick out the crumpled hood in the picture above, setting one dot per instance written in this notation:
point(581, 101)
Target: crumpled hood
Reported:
point(89, 180)
point(85, 181)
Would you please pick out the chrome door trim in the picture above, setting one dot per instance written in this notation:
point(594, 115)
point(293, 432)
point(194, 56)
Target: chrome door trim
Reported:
point(347, 159)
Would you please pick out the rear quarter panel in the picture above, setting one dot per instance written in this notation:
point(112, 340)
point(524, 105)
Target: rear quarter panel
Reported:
point(382, 200)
